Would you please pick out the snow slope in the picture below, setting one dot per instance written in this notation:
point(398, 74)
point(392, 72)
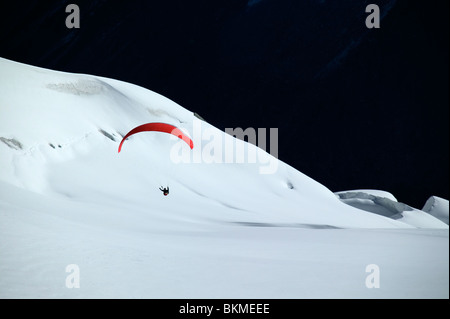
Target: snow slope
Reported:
point(226, 229)
point(62, 123)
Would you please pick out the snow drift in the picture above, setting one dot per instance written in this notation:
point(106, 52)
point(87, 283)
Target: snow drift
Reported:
point(385, 204)
point(437, 207)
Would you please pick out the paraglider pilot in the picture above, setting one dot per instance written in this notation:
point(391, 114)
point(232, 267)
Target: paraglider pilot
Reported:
point(165, 190)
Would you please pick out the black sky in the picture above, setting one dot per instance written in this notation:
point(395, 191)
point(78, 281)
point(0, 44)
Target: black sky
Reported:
point(355, 108)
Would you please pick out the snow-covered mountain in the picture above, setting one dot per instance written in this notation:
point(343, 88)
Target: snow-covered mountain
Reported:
point(225, 230)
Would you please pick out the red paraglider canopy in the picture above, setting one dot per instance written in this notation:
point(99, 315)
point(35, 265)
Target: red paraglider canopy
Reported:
point(159, 127)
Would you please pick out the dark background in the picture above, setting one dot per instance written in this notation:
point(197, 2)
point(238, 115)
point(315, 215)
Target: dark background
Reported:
point(355, 108)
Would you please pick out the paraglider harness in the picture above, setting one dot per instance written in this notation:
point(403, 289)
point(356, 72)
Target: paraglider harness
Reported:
point(165, 190)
